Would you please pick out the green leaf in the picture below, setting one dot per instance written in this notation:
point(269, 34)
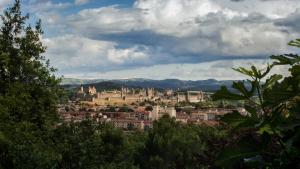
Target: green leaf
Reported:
point(244, 71)
point(295, 43)
point(290, 124)
point(295, 70)
point(252, 110)
point(286, 59)
point(240, 86)
point(292, 141)
point(265, 129)
point(272, 80)
point(236, 120)
point(224, 93)
point(230, 157)
point(256, 72)
point(244, 149)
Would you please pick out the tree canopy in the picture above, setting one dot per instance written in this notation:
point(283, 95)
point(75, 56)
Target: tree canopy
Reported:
point(28, 95)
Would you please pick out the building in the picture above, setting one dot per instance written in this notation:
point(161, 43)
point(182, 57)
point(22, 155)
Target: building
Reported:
point(92, 90)
point(132, 96)
point(159, 111)
point(194, 96)
point(129, 123)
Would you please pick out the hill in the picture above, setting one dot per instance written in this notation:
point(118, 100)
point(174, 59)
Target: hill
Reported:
point(175, 84)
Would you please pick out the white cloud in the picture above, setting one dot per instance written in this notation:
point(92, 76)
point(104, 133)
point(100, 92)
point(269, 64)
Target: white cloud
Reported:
point(177, 17)
point(4, 3)
point(203, 27)
point(220, 70)
point(273, 9)
point(80, 2)
point(46, 6)
point(74, 53)
point(170, 32)
point(105, 20)
point(253, 39)
point(119, 56)
point(169, 17)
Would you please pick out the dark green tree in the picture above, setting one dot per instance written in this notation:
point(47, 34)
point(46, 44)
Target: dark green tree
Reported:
point(28, 94)
point(91, 145)
point(111, 109)
point(171, 145)
point(149, 108)
point(268, 136)
point(125, 109)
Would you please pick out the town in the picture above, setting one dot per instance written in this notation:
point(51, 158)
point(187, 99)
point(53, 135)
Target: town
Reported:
point(137, 109)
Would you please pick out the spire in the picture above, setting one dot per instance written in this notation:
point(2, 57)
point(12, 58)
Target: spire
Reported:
point(81, 88)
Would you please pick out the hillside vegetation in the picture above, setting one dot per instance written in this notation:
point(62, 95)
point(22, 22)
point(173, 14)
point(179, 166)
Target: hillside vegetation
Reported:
point(209, 85)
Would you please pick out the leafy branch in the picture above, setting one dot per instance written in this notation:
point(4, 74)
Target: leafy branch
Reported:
point(271, 103)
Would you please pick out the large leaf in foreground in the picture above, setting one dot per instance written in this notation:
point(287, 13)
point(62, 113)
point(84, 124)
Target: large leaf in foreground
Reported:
point(224, 93)
point(246, 150)
point(236, 120)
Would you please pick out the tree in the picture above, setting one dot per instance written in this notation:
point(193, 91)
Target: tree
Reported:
point(149, 108)
point(269, 135)
point(29, 93)
point(125, 109)
point(172, 145)
point(111, 109)
point(91, 145)
point(130, 126)
point(26, 78)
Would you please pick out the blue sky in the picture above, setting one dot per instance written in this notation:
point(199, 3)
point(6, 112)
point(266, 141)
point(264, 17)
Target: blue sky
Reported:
point(161, 39)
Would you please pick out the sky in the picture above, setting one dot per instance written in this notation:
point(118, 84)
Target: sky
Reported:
point(163, 39)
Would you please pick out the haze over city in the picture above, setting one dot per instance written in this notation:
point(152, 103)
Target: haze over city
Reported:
point(160, 39)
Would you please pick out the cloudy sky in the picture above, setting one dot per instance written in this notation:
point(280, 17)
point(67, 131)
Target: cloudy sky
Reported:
point(162, 39)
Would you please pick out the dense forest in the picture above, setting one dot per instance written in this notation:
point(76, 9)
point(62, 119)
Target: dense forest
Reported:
point(33, 136)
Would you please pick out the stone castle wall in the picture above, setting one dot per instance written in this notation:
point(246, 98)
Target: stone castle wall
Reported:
point(129, 96)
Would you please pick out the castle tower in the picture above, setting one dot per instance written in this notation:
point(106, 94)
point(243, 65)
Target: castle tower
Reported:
point(154, 113)
point(150, 92)
point(92, 90)
point(187, 96)
point(81, 93)
point(122, 92)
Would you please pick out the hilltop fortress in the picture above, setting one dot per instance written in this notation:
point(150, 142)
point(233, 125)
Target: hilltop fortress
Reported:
point(130, 96)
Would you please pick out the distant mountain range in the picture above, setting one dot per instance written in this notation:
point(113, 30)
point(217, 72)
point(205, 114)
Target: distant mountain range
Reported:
point(175, 84)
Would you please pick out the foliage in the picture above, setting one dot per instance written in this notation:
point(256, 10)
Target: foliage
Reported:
point(268, 135)
point(173, 145)
point(125, 109)
point(111, 109)
point(31, 135)
point(91, 145)
point(149, 108)
point(205, 104)
point(28, 95)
